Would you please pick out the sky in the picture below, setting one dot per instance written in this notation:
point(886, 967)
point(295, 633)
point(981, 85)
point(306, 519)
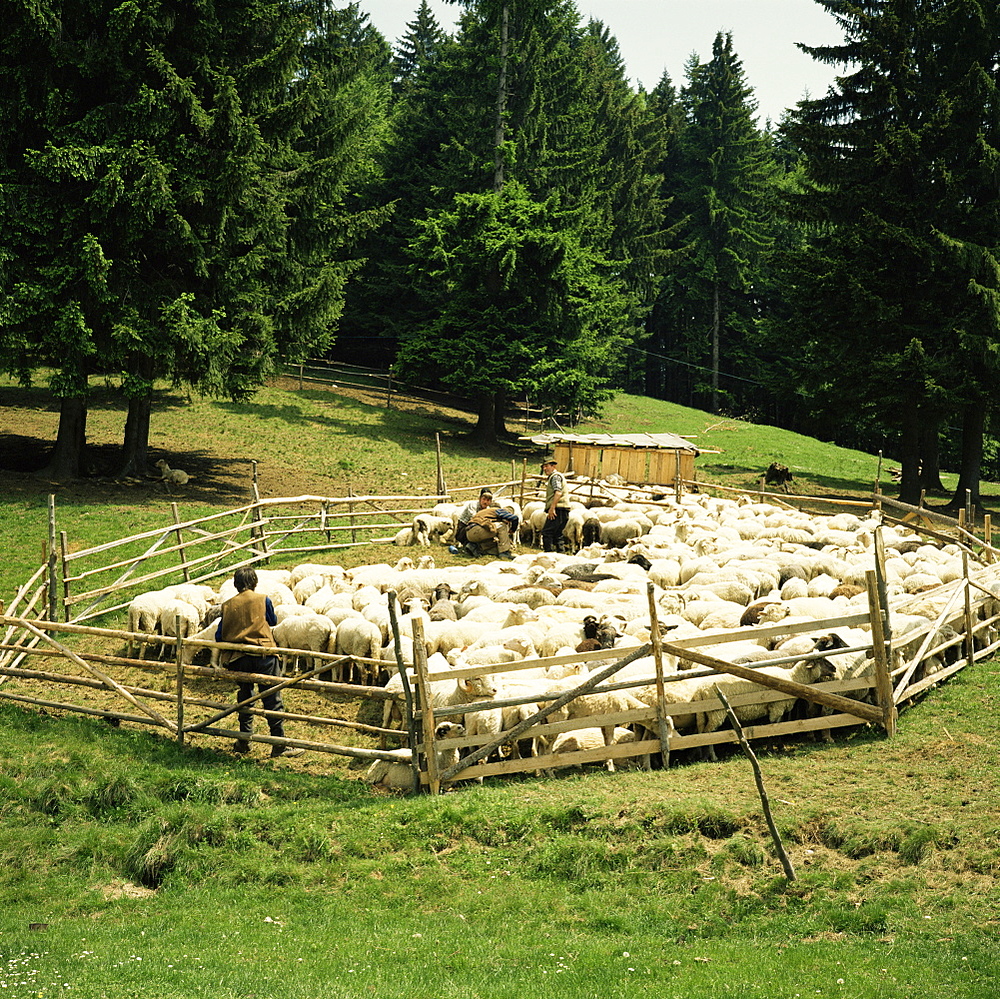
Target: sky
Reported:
point(658, 35)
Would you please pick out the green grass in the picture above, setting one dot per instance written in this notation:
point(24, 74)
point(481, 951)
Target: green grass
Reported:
point(168, 872)
point(264, 882)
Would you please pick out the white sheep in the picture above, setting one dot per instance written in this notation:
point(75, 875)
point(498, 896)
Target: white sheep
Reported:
point(178, 619)
point(144, 616)
point(804, 672)
point(443, 693)
point(359, 639)
point(609, 702)
point(308, 632)
point(428, 528)
point(172, 476)
point(399, 776)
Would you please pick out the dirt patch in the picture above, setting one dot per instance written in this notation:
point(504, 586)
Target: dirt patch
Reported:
point(124, 889)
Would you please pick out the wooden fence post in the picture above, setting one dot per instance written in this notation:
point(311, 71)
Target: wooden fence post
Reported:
point(257, 531)
point(64, 550)
point(350, 510)
point(970, 645)
point(677, 477)
point(654, 637)
point(988, 537)
point(883, 682)
point(53, 597)
point(442, 489)
point(179, 660)
point(970, 512)
point(426, 705)
point(180, 545)
point(524, 480)
point(407, 693)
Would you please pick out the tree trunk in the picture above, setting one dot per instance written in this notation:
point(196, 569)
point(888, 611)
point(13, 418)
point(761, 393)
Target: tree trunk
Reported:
point(973, 423)
point(499, 133)
point(715, 347)
point(67, 455)
point(500, 414)
point(930, 456)
point(485, 431)
point(909, 446)
point(135, 449)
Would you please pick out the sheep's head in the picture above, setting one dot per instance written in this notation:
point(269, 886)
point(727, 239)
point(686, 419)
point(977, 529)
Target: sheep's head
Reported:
point(479, 686)
point(449, 730)
point(426, 562)
point(826, 643)
point(522, 646)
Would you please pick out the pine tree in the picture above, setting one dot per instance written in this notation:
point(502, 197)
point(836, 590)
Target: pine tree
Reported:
point(523, 95)
point(173, 208)
point(724, 172)
point(419, 47)
point(897, 306)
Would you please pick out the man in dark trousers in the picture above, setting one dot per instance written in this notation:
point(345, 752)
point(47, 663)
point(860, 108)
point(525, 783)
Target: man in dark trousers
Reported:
point(556, 507)
point(247, 619)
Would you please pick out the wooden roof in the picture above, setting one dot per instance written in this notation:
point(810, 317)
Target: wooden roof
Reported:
point(671, 442)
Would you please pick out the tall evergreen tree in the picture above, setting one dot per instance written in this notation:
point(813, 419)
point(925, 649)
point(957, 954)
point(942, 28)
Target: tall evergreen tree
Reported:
point(723, 172)
point(152, 162)
point(895, 300)
point(419, 46)
point(551, 113)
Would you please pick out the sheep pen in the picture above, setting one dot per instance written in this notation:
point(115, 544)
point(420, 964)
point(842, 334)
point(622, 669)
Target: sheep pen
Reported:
point(686, 591)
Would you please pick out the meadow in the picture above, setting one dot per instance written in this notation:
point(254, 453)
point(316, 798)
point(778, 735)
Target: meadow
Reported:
point(130, 866)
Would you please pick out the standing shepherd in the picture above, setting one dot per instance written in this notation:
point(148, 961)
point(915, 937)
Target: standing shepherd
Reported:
point(556, 507)
point(247, 619)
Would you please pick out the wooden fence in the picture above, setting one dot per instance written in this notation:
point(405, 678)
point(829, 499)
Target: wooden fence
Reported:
point(186, 700)
point(383, 383)
point(964, 630)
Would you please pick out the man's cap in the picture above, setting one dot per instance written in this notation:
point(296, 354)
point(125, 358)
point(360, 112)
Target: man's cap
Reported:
point(549, 461)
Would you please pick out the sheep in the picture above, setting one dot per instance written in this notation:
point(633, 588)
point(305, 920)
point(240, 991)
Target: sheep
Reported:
point(404, 537)
point(582, 740)
point(443, 607)
point(177, 619)
point(144, 617)
point(172, 476)
point(804, 672)
point(428, 528)
point(190, 650)
point(305, 633)
point(443, 693)
point(359, 639)
point(618, 533)
point(399, 776)
point(607, 703)
point(329, 572)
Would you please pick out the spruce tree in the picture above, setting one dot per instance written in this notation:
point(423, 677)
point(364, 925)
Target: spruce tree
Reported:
point(723, 175)
point(154, 159)
point(895, 297)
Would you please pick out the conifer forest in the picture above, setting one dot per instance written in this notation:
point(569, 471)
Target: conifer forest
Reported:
point(199, 190)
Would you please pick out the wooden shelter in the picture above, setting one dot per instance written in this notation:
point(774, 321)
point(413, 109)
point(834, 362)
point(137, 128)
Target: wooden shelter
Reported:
point(640, 459)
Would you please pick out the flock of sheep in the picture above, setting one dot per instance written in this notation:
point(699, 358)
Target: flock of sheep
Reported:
point(716, 565)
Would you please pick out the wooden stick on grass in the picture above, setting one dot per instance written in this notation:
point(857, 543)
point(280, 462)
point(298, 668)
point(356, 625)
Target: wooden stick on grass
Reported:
point(761, 790)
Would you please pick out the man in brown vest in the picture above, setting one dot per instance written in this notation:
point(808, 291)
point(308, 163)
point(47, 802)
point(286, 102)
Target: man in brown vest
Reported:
point(247, 619)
